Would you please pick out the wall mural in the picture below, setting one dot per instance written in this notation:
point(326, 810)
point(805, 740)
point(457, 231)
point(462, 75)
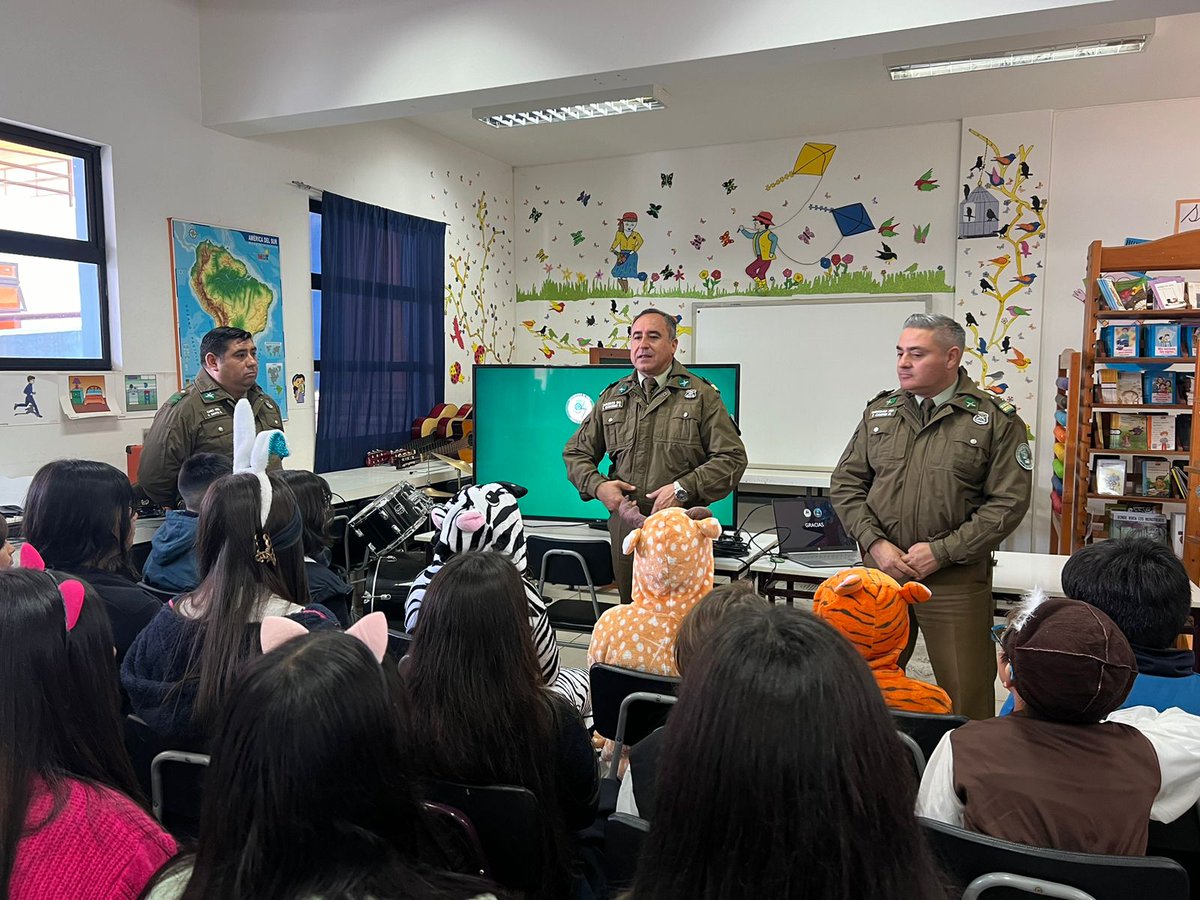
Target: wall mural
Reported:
point(778, 219)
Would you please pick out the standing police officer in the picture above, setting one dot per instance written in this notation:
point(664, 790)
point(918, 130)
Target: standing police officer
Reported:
point(199, 419)
point(934, 479)
point(669, 437)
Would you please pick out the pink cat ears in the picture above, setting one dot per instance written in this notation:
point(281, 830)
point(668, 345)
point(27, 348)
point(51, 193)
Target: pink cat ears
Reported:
point(71, 590)
point(370, 629)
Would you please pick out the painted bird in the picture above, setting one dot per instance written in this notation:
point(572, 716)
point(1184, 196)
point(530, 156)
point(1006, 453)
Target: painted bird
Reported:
point(982, 346)
point(1025, 249)
point(457, 336)
point(1005, 345)
point(971, 320)
point(1006, 159)
point(1002, 230)
point(886, 254)
point(992, 376)
point(888, 228)
point(1025, 279)
point(1020, 360)
point(967, 190)
point(591, 320)
point(995, 178)
point(997, 261)
point(1015, 311)
point(1029, 227)
point(1025, 173)
point(998, 389)
point(986, 285)
point(614, 302)
point(921, 233)
point(1037, 203)
point(558, 306)
point(528, 323)
point(978, 166)
point(991, 215)
point(927, 182)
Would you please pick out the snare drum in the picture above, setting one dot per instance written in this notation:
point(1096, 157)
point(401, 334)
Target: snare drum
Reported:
point(391, 518)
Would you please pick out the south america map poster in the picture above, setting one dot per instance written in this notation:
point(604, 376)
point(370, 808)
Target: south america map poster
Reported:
point(224, 276)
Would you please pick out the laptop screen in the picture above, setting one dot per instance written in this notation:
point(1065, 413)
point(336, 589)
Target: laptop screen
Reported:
point(809, 523)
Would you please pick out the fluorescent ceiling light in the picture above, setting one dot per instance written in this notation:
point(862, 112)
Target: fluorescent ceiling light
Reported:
point(1012, 58)
point(616, 102)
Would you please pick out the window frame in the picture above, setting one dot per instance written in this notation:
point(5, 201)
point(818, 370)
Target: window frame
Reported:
point(314, 206)
point(93, 250)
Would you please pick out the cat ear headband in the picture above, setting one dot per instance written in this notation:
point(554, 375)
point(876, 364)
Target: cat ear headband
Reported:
point(251, 453)
point(370, 629)
point(71, 590)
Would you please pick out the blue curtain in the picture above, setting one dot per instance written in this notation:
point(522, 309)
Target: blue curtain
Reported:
point(382, 328)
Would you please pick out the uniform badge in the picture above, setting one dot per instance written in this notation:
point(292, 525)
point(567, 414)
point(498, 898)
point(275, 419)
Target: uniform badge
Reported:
point(613, 404)
point(892, 401)
point(970, 403)
point(981, 418)
point(882, 413)
point(623, 389)
point(684, 382)
point(208, 396)
point(1007, 407)
point(1025, 458)
point(691, 394)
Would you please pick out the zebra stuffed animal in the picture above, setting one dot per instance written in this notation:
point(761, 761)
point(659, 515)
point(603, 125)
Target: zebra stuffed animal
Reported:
point(485, 517)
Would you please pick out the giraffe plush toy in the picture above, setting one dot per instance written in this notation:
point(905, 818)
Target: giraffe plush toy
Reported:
point(672, 570)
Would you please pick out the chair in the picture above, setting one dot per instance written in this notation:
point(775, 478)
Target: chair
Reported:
point(914, 750)
point(628, 705)
point(926, 728)
point(141, 744)
point(461, 839)
point(1178, 840)
point(508, 821)
point(623, 838)
point(161, 593)
point(176, 779)
point(399, 643)
point(572, 563)
point(1001, 870)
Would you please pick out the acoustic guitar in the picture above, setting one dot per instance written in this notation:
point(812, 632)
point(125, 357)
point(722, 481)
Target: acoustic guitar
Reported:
point(427, 426)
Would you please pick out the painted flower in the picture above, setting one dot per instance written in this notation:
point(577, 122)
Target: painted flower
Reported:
point(825, 262)
point(654, 276)
point(715, 274)
point(836, 259)
point(581, 277)
point(599, 274)
point(787, 273)
point(704, 274)
point(480, 354)
point(848, 258)
point(455, 373)
point(679, 274)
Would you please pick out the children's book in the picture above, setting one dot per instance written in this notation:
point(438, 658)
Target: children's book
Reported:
point(1156, 478)
point(1121, 340)
point(1161, 432)
point(1162, 339)
point(1125, 524)
point(1110, 476)
point(1158, 387)
point(1168, 292)
point(1108, 385)
point(1129, 388)
point(1108, 293)
point(1127, 431)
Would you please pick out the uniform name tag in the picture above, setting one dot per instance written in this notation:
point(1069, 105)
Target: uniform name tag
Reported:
point(613, 404)
point(213, 412)
point(882, 413)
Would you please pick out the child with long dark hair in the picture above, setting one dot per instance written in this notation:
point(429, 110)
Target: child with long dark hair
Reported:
point(782, 775)
point(309, 793)
point(481, 711)
point(313, 497)
point(80, 515)
point(68, 825)
point(181, 667)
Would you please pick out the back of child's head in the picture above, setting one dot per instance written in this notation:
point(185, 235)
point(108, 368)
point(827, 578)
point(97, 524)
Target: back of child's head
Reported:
point(197, 472)
point(704, 619)
point(1139, 583)
point(313, 498)
point(1070, 662)
point(79, 513)
point(309, 788)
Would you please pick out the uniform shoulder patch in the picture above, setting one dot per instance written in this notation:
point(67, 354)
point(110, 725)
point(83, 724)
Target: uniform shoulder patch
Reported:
point(1025, 457)
point(880, 395)
point(175, 398)
point(1007, 408)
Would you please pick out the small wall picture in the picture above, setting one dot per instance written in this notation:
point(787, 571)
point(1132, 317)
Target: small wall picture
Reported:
point(86, 394)
point(298, 388)
point(141, 393)
point(28, 405)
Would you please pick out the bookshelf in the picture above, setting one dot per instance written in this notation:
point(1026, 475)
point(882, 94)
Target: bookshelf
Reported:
point(1083, 442)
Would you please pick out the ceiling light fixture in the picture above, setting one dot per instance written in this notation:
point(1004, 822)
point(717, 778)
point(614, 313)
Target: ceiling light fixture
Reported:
point(574, 109)
point(1013, 58)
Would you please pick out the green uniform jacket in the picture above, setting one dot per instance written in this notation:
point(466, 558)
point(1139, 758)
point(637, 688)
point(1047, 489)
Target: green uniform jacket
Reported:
point(197, 420)
point(683, 434)
point(961, 483)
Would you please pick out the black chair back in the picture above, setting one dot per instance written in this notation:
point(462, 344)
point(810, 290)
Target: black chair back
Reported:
point(508, 820)
point(926, 728)
point(162, 594)
point(399, 643)
point(611, 685)
point(1179, 840)
point(457, 835)
point(176, 787)
point(993, 869)
point(597, 555)
point(623, 838)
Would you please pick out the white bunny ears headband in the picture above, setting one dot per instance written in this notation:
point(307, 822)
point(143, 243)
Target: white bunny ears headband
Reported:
point(370, 629)
point(251, 453)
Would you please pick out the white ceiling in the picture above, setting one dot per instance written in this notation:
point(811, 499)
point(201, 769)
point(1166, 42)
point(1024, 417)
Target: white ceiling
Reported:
point(769, 95)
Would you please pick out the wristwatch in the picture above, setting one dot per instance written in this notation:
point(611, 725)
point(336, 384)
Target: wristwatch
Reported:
point(680, 494)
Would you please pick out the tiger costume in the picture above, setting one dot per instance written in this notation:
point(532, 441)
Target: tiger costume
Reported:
point(485, 517)
point(870, 608)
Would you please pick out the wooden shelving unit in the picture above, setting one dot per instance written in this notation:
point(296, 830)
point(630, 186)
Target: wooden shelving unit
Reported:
point(1174, 254)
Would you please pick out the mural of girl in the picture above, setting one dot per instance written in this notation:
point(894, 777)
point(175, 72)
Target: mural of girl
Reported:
point(765, 243)
point(626, 245)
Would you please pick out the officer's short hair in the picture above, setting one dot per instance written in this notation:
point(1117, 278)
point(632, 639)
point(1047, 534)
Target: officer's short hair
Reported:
point(218, 340)
point(655, 311)
point(948, 332)
point(197, 473)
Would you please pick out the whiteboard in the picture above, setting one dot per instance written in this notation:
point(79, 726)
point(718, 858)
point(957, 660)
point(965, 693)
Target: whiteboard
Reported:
point(809, 366)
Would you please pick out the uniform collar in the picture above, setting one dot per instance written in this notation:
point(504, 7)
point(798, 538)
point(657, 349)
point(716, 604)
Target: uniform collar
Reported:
point(211, 392)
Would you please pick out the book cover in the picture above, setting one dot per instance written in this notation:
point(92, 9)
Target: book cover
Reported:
point(1156, 478)
point(1129, 388)
point(1162, 339)
point(1126, 524)
point(1192, 291)
point(1127, 432)
point(1179, 479)
point(1158, 387)
point(1161, 432)
point(1178, 523)
point(1121, 340)
point(1110, 477)
point(1168, 292)
point(1108, 293)
point(1108, 385)
point(1132, 289)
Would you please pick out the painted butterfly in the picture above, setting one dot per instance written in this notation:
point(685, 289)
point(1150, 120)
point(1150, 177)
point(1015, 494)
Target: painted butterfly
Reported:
point(584, 198)
point(697, 240)
point(667, 178)
point(726, 240)
point(806, 235)
point(654, 210)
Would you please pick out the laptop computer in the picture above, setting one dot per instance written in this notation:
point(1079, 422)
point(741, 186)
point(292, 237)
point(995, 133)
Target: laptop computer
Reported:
point(811, 534)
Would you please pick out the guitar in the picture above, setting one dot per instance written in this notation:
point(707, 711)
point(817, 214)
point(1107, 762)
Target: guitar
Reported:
point(427, 425)
point(454, 427)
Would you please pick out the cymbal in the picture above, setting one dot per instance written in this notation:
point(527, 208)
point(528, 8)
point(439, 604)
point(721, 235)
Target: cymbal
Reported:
point(436, 494)
point(465, 467)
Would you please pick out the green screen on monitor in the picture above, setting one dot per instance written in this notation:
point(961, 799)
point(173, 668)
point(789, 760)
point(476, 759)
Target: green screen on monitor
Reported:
point(522, 425)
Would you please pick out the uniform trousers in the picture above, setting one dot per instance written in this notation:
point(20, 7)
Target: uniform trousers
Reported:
point(622, 564)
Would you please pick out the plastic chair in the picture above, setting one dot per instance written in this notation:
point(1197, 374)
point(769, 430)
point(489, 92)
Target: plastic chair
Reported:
point(624, 836)
point(399, 643)
point(914, 750)
point(1001, 870)
point(628, 705)
point(161, 593)
point(176, 779)
point(461, 839)
point(1178, 840)
point(574, 564)
point(926, 728)
point(508, 821)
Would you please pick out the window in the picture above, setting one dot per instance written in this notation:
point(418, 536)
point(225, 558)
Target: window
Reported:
point(53, 288)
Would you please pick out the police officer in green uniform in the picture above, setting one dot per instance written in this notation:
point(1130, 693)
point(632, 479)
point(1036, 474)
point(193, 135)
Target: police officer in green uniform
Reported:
point(669, 437)
point(936, 476)
point(200, 418)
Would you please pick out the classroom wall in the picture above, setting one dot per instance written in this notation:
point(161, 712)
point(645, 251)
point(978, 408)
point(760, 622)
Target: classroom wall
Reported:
point(125, 73)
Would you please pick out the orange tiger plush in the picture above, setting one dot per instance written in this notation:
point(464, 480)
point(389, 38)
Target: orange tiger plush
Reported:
point(871, 609)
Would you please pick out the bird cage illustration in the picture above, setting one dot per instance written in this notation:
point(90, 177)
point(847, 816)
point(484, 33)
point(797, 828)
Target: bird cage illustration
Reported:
point(978, 214)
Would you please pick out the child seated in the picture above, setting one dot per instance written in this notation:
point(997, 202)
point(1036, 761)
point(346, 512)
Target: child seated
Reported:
point(171, 565)
point(1055, 773)
point(870, 608)
point(324, 587)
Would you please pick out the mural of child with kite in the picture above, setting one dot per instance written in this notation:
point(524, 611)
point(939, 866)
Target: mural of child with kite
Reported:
point(765, 242)
point(626, 245)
